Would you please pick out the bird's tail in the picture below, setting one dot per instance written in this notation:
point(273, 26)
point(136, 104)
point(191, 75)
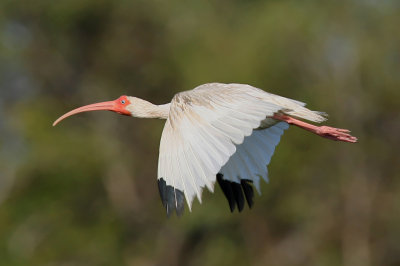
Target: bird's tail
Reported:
point(297, 109)
point(305, 113)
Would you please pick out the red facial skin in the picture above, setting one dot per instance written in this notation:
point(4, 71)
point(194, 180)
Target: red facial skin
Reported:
point(118, 106)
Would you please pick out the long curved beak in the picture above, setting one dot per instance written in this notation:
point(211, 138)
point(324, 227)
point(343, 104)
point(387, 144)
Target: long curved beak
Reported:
point(108, 106)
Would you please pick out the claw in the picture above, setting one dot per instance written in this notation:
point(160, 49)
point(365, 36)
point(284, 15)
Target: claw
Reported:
point(336, 134)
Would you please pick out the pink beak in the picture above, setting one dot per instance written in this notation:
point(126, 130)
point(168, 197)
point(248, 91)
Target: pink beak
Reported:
point(108, 106)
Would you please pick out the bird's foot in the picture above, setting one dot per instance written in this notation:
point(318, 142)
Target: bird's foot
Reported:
point(338, 134)
point(332, 133)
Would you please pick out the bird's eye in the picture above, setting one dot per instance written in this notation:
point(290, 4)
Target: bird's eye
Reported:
point(123, 101)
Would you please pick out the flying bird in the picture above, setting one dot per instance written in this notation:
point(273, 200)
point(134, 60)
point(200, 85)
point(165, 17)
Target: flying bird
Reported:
point(218, 132)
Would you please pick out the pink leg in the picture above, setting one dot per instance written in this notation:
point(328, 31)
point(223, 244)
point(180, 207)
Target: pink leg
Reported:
point(323, 131)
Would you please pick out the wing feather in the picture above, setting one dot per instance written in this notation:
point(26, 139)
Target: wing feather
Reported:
point(256, 152)
point(203, 133)
point(199, 168)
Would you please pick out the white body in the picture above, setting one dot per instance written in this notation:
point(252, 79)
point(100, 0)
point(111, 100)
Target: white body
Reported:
point(220, 128)
point(223, 132)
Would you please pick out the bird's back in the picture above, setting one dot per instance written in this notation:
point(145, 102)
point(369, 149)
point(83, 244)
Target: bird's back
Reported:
point(203, 95)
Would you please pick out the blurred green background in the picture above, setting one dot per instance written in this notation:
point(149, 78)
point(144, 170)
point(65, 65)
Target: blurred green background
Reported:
point(85, 192)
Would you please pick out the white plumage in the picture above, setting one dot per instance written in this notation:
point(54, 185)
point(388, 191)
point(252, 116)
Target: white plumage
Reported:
point(251, 158)
point(210, 130)
point(223, 132)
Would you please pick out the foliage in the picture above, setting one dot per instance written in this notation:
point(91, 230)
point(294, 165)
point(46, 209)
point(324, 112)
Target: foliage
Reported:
point(85, 192)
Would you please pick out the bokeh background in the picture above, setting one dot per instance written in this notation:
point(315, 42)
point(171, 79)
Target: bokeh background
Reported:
point(85, 192)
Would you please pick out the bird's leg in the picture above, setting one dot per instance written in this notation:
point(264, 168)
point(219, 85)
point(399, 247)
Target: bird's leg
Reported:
point(323, 131)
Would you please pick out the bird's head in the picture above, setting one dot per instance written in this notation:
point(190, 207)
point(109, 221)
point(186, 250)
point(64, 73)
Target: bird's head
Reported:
point(120, 106)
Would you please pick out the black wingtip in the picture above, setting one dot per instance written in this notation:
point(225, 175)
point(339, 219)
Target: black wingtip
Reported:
point(180, 202)
point(227, 190)
point(238, 194)
point(248, 191)
point(162, 188)
point(234, 192)
point(171, 198)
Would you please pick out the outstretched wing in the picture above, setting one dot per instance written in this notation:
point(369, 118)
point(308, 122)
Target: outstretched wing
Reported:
point(248, 164)
point(200, 135)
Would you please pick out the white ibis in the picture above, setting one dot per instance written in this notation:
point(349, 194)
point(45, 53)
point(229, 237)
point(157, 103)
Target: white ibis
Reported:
point(223, 132)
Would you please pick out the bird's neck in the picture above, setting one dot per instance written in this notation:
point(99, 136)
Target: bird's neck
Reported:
point(144, 109)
